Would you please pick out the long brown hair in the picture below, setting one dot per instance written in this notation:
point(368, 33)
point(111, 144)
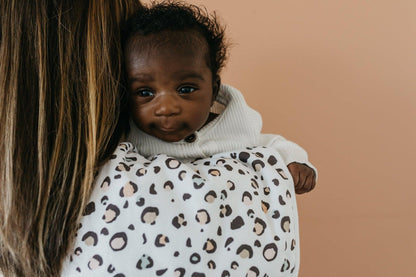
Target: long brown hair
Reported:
point(60, 73)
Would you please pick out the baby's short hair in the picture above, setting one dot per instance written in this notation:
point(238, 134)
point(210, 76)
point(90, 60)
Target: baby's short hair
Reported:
point(174, 16)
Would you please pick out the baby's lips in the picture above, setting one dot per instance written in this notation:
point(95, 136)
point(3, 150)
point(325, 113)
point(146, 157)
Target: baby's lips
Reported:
point(167, 128)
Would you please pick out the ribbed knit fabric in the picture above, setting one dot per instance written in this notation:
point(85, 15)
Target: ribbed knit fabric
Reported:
point(237, 127)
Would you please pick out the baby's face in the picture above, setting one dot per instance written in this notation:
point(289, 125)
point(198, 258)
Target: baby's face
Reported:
point(170, 90)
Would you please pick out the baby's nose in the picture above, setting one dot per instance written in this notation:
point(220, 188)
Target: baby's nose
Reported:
point(167, 105)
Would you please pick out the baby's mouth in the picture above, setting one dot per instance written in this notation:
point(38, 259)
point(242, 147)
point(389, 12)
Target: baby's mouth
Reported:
point(169, 133)
point(168, 127)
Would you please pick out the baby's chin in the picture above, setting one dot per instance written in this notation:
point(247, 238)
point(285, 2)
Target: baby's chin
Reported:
point(168, 139)
point(171, 137)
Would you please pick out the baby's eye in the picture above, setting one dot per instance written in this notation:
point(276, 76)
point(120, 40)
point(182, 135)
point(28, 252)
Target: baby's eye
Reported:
point(186, 90)
point(144, 93)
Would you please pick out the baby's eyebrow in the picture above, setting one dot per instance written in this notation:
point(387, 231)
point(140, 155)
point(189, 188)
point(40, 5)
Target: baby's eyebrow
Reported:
point(182, 75)
point(143, 77)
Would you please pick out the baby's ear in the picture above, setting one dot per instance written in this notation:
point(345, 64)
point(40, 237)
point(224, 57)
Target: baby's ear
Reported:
point(216, 83)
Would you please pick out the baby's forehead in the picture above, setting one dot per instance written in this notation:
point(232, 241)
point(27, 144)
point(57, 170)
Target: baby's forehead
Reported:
point(184, 39)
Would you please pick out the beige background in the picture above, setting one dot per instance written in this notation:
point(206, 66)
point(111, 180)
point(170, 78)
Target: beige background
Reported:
point(338, 77)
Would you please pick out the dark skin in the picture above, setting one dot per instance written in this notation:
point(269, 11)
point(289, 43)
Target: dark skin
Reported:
point(304, 177)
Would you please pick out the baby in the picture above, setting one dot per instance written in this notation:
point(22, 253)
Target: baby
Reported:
point(207, 194)
point(178, 107)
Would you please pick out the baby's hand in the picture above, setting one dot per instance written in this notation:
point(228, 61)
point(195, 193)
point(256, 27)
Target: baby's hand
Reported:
point(303, 177)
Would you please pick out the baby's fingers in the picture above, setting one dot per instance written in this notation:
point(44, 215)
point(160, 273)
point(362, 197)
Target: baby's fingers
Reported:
point(304, 178)
point(307, 183)
point(295, 172)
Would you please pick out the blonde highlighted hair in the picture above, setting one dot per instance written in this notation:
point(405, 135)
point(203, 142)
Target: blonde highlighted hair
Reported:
point(60, 91)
